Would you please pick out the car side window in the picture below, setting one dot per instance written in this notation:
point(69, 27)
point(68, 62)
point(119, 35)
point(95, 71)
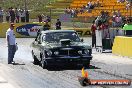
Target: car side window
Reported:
point(47, 38)
point(43, 38)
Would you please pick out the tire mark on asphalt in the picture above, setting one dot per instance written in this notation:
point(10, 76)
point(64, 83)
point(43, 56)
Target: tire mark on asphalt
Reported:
point(56, 75)
point(112, 74)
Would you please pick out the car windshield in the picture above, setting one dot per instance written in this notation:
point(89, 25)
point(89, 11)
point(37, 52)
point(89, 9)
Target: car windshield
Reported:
point(57, 36)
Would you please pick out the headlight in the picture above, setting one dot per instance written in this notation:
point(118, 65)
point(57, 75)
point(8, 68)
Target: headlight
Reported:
point(49, 52)
point(86, 51)
point(56, 53)
point(80, 52)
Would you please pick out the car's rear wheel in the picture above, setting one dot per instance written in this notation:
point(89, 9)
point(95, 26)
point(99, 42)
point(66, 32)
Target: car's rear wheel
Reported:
point(36, 61)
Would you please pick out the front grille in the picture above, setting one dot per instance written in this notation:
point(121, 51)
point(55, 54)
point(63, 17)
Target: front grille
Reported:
point(69, 52)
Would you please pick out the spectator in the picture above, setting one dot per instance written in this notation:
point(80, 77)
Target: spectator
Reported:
point(48, 19)
point(120, 1)
point(97, 4)
point(113, 18)
point(1, 15)
point(113, 21)
point(69, 10)
point(118, 13)
point(114, 13)
point(90, 5)
point(66, 10)
point(118, 20)
point(17, 15)
point(128, 5)
point(99, 22)
point(93, 28)
point(58, 24)
point(44, 17)
point(27, 16)
point(102, 13)
point(76, 12)
point(127, 19)
point(107, 14)
point(46, 26)
point(72, 13)
point(81, 10)
point(105, 27)
point(7, 15)
point(84, 7)
point(11, 42)
point(22, 15)
point(40, 18)
point(12, 15)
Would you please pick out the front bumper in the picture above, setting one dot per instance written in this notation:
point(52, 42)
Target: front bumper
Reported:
point(66, 60)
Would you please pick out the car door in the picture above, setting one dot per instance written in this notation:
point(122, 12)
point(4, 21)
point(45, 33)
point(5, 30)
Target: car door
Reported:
point(37, 45)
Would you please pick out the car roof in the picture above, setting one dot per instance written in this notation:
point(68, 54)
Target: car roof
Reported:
point(49, 31)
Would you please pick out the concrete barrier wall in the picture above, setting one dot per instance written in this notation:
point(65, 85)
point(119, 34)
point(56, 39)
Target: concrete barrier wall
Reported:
point(24, 30)
point(122, 46)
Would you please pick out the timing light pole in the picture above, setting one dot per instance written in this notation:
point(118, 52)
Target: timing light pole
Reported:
point(25, 9)
point(25, 5)
point(130, 8)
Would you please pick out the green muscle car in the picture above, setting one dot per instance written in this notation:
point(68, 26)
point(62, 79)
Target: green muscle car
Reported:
point(60, 47)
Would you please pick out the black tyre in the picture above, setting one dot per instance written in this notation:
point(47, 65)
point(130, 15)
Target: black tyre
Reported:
point(36, 61)
point(97, 49)
point(87, 64)
point(43, 62)
point(101, 50)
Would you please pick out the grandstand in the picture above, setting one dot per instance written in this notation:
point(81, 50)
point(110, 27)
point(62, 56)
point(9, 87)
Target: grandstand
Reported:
point(106, 5)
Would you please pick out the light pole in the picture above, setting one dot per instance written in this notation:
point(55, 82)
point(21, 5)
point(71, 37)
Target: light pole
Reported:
point(130, 8)
point(25, 9)
point(130, 2)
point(25, 5)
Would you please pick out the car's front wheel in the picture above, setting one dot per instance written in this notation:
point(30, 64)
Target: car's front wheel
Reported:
point(36, 61)
point(87, 64)
point(43, 62)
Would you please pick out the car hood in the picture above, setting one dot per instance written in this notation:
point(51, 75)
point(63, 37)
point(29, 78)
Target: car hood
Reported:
point(72, 44)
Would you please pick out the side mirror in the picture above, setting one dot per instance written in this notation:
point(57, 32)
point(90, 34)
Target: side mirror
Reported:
point(82, 40)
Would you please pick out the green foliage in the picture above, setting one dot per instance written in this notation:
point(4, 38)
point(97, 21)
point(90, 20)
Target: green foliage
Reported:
point(35, 5)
